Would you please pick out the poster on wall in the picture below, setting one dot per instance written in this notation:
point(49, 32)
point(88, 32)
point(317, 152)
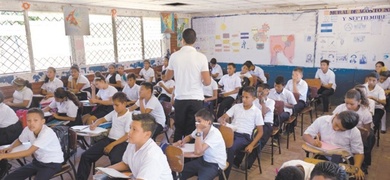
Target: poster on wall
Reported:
point(76, 21)
point(355, 38)
point(167, 22)
point(182, 24)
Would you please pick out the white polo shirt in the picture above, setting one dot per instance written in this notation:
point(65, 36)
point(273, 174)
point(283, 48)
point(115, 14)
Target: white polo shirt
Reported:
point(378, 93)
point(169, 84)
point(22, 95)
point(302, 88)
point(209, 90)
point(123, 79)
point(230, 83)
point(326, 78)
point(259, 73)
point(106, 94)
point(285, 96)
point(148, 163)
point(51, 86)
point(365, 116)
point(385, 85)
point(157, 109)
point(307, 167)
point(216, 152)
point(147, 74)
point(217, 69)
point(244, 121)
point(117, 78)
point(247, 74)
point(188, 64)
point(132, 93)
point(81, 80)
point(270, 103)
point(8, 116)
point(67, 107)
point(350, 140)
point(49, 148)
point(120, 125)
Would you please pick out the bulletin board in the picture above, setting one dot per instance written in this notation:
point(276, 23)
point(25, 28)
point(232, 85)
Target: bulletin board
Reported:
point(268, 39)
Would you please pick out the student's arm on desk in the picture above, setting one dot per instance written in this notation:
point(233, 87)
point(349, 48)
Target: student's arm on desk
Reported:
point(120, 166)
point(16, 155)
point(327, 86)
point(226, 94)
point(102, 102)
point(20, 105)
point(97, 123)
point(309, 139)
point(109, 147)
point(255, 140)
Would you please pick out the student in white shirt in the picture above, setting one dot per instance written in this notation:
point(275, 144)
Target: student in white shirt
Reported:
point(143, 157)
point(131, 89)
point(371, 103)
point(115, 144)
point(191, 70)
point(10, 126)
point(147, 72)
point(231, 84)
point(339, 130)
point(210, 95)
point(246, 117)
point(102, 99)
point(45, 147)
point(328, 170)
point(122, 74)
point(165, 63)
point(78, 82)
point(23, 95)
point(257, 72)
point(51, 83)
point(216, 70)
point(290, 173)
point(209, 143)
point(376, 93)
point(305, 167)
point(384, 82)
point(113, 78)
point(297, 85)
point(67, 106)
point(245, 73)
point(328, 83)
point(148, 103)
point(167, 87)
point(279, 93)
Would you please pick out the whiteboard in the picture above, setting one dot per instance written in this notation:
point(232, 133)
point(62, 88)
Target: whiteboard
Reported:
point(354, 38)
point(268, 39)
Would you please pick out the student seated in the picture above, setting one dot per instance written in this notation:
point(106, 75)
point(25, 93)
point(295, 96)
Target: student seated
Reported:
point(376, 93)
point(371, 103)
point(45, 147)
point(131, 89)
point(279, 93)
point(290, 173)
point(231, 84)
point(209, 143)
point(122, 74)
point(147, 72)
point(115, 144)
point(102, 99)
point(51, 83)
point(245, 73)
point(339, 130)
point(210, 93)
point(216, 70)
point(297, 85)
point(22, 97)
point(384, 82)
point(305, 167)
point(113, 78)
point(167, 88)
point(165, 63)
point(328, 83)
point(328, 170)
point(67, 106)
point(148, 103)
point(10, 126)
point(246, 117)
point(257, 72)
point(79, 84)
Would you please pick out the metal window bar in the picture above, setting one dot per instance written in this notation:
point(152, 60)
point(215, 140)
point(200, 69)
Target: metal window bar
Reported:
point(152, 37)
point(129, 38)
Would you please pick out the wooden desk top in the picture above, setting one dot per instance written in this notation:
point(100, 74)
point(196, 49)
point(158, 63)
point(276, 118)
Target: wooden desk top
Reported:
point(348, 168)
point(342, 153)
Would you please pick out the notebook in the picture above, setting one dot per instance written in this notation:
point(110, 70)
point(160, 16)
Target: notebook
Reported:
point(113, 173)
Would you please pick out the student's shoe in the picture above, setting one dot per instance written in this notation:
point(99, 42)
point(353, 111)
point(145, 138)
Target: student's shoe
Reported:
point(274, 143)
point(383, 132)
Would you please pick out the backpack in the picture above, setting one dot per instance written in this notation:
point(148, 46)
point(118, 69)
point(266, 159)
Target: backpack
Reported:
point(22, 115)
point(62, 133)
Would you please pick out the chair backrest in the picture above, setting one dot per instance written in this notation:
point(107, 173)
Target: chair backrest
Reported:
point(228, 135)
point(313, 92)
point(245, 82)
point(175, 158)
point(279, 107)
point(313, 83)
point(167, 106)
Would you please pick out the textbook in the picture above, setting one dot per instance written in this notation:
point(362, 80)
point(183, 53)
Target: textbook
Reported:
point(328, 148)
point(114, 173)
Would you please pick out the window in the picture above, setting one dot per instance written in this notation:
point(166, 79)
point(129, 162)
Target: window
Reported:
point(99, 46)
point(129, 38)
point(13, 43)
point(152, 37)
point(51, 46)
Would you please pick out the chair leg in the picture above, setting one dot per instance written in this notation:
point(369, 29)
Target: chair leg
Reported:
point(272, 150)
point(293, 128)
point(280, 151)
point(288, 136)
point(258, 162)
point(246, 166)
point(166, 136)
point(73, 168)
point(62, 178)
point(93, 168)
point(378, 134)
point(301, 124)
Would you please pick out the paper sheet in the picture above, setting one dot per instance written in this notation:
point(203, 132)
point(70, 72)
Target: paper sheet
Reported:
point(189, 147)
point(112, 172)
point(85, 129)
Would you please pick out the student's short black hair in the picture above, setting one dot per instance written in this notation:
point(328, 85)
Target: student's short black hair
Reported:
point(131, 76)
point(36, 110)
point(1, 97)
point(249, 62)
point(279, 80)
point(298, 69)
point(148, 85)
point(290, 173)
point(380, 62)
point(99, 77)
point(75, 67)
point(250, 89)
point(263, 85)
point(348, 119)
point(189, 36)
point(328, 170)
point(384, 73)
point(373, 75)
point(213, 61)
point(325, 61)
point(205, 114)
point(232, 64)
point(248, 65)
point(119, 96)
point(148, 122)
point(147, 61)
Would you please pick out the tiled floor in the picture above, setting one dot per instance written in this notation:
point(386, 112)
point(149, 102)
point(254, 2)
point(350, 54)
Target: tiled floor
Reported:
point(377, 171)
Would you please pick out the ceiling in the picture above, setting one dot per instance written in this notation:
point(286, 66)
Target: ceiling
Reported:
point(220, 6)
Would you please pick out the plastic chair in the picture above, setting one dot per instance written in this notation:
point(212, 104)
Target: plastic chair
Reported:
point(228, 137)
point(175, 159)
point(167, 106)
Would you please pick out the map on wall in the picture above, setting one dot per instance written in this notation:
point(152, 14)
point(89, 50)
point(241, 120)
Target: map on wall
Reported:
point(76, 21)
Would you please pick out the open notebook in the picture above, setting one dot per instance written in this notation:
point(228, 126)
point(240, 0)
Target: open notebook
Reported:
point(328, 148)
point(114, 173)
point(85, 129)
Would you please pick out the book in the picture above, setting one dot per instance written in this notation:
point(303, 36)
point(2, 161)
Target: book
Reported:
point(114, 173)
point(85, 129)
point(188, 148)
point(328, 148)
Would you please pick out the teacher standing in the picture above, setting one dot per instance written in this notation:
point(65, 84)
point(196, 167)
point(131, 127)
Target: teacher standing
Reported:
point(191, 70)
